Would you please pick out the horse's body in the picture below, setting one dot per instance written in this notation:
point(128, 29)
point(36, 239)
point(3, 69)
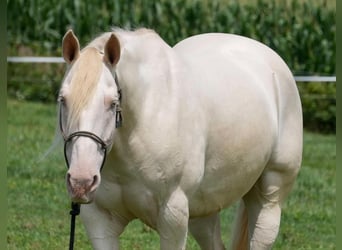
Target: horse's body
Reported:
point(215, 119)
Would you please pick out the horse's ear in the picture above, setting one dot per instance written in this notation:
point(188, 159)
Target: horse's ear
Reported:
point(71, 47)
point(112, 50)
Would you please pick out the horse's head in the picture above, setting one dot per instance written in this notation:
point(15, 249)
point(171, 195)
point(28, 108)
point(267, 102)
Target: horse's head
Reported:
point(89, 101)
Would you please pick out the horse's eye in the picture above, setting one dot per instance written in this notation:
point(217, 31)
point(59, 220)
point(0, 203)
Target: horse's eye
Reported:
point(61, 99)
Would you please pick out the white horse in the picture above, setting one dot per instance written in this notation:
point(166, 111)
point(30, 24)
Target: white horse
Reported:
point(213, 120)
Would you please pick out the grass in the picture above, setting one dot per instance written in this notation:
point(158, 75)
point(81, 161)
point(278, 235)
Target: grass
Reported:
point(38, 204)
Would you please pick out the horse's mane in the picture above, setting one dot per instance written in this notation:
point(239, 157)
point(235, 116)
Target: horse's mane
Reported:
point(100, 41)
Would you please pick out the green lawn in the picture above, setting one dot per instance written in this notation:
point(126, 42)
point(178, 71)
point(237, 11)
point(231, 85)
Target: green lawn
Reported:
point(38, 203)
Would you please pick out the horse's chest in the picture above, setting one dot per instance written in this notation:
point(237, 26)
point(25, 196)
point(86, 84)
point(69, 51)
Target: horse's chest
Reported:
point(141, 202)
point(128, 200)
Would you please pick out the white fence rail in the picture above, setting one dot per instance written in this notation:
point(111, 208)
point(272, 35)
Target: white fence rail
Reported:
point(34, 59)
point(31, 59)
point(315, 78)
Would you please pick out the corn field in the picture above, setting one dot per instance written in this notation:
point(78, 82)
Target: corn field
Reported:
point(301, 31)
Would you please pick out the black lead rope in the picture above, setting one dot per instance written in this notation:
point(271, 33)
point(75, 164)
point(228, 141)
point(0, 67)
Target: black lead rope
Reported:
point(75, 210)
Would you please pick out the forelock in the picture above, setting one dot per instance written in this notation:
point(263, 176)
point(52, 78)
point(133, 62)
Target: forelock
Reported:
point(86, 75)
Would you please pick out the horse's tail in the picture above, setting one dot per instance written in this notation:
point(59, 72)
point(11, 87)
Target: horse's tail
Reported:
point(240, 231)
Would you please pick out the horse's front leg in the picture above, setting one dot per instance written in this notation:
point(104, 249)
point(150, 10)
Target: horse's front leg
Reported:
point(103, 228)
point(173, 220)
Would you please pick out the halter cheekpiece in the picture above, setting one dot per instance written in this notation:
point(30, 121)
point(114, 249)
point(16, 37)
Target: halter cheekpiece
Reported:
point(118, 116)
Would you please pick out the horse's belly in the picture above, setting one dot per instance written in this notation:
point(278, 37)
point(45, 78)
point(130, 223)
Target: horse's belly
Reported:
point(221, 190)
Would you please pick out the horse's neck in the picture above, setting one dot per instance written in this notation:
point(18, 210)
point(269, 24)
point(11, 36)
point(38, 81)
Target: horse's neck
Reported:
point(155, 98)
point(147, 73)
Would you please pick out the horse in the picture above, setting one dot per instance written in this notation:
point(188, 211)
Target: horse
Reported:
point(172, 135)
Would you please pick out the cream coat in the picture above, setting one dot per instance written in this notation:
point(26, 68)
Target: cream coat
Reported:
point(211, 121)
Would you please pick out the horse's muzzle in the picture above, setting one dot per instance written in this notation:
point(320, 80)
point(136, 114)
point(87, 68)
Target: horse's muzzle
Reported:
point(81, 190)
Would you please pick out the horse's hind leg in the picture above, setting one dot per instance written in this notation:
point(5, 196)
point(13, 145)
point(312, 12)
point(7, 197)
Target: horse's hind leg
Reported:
point(263, 205)
point(263, 202)
point(207, 232)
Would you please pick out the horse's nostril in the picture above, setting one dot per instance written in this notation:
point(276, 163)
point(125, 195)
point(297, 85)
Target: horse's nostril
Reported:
point(95, 182)
point(68, 179)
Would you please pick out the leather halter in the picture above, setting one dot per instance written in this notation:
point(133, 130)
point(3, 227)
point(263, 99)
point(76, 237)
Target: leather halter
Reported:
point(94, 137)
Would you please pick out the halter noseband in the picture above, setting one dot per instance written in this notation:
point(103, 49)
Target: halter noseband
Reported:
point(90, 135)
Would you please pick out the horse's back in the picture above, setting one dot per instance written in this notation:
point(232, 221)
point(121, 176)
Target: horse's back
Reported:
point(234, 73)
point(237, 55)
point(251, 106)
